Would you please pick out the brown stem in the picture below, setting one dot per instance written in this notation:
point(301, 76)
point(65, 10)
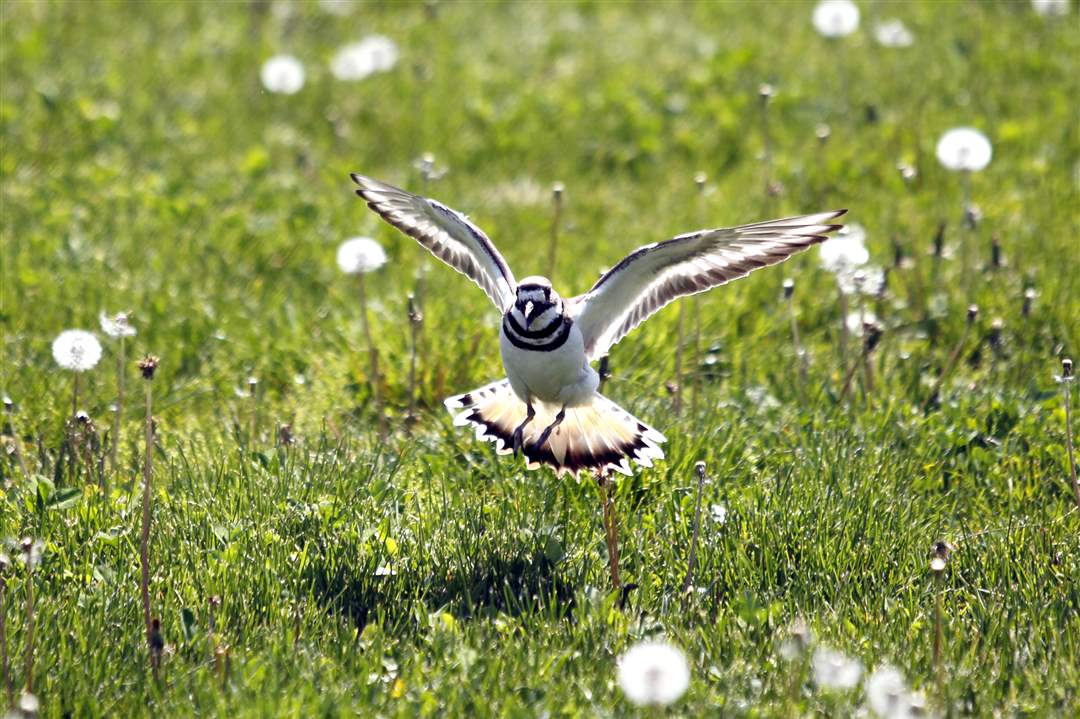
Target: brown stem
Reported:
point(115, 446)
point(607, 490)
point(144, 544)
point(555, 221)
point(3, 647)
point(29, 622)
point(1069, 443)
point(75, 394)
point(678, 360)
point(800, 353)
point(692, 561)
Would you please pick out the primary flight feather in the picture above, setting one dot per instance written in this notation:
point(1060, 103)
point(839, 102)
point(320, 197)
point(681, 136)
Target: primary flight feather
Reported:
point(548, 407)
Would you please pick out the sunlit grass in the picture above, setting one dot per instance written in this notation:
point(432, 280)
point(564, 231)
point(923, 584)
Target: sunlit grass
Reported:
point(145, 168)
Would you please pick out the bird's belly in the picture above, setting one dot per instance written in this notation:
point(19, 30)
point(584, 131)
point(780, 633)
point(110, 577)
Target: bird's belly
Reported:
point(560, 376)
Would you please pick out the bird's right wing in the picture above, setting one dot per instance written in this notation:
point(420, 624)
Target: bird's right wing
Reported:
point(656, 274)
point(447, 234)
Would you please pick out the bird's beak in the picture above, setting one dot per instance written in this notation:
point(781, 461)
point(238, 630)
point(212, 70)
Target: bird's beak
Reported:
point(528, 312)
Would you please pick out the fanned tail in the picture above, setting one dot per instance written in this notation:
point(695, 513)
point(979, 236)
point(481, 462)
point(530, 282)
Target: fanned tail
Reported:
point(600, 437)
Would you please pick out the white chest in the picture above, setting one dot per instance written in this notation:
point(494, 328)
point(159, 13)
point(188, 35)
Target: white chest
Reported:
point(558, 376)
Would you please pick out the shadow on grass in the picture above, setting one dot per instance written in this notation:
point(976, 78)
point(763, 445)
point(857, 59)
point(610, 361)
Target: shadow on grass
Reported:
point(492, 585)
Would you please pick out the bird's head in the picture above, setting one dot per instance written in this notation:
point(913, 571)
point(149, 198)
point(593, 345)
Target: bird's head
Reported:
point(536, 305)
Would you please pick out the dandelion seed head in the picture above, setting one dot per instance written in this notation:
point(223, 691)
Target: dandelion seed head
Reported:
point(29, 704)
point(964, 148)
point(798, 640)
point(937, 565)
point(860, 322)
point(340, 8)
point(76, 350)
point(893, 33)
point(719, 513)
point(835, 670)
point(1050, 8)
point(360, 255)
point(886, 692)
point(846, 250)
point(835, 18)
point(282, 74)
point(653, 673)
point(31, 551)
point(358, 60)
point(118, 325)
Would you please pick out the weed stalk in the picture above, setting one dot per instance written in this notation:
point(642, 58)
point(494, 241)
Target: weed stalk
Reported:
point(1066, 381)
point(692, 560)
point(147, 366)
point(556, 220)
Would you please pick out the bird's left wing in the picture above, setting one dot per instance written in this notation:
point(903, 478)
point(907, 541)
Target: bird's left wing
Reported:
point(447, 234)
point(656, 274)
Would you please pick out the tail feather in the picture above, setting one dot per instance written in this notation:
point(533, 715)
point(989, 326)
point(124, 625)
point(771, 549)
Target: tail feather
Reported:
point(600, 437)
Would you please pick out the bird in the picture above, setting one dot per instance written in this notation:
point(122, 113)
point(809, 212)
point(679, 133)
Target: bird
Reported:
point(548, 407)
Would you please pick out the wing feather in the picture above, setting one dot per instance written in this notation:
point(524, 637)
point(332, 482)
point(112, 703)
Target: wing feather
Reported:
point(654, 275)
point(447, 234)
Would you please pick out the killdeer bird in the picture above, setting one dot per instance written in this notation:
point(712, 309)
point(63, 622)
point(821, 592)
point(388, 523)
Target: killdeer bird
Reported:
point(548, 408)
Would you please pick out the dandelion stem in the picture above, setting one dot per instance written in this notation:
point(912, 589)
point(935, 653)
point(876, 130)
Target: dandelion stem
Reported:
point(114, 447)
point(800, 353)
point(953, 357)
point(556, 194)
point(253, 392)
point(692, 560)
point(16, 444)
point(843, 328)
point(28, 549)
point(938, 576)
point(415, 318)
point(864, 355)
point(373, 356)
point(695, 382)
point(1066, 380)
point(607, 492)
point(75, 394)
point(147, 365)
point(678, 360)
point(3, 640)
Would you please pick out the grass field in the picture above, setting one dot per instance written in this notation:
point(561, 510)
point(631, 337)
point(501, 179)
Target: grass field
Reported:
point(145, 168)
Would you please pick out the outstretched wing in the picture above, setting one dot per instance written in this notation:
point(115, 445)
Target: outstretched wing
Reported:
point(656, 274)
point(447, 234)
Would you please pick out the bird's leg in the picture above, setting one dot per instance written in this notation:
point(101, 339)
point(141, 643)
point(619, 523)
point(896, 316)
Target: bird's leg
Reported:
point(550, 428)
point(530, 413)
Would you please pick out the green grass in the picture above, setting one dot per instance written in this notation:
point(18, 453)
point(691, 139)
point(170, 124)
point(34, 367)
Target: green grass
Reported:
point(144, 168)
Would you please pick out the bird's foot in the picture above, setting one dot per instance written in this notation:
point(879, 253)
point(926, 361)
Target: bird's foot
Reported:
point(519, 433)
point(551, 428)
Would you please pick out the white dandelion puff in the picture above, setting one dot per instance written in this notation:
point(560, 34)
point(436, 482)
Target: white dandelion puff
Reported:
point(798, 640)
point(653, 673)
point(845, 251)
point(886, 693)
point(1050, 8)
point(893, 33)
point(76, 350)
point(340, 8)
point(836, 18)
point(858, 321)
point(360, 255)
point(118, 325)
point(719, 513)
point(835, 670)
point(282, 74)
point(376, 53)
point(964, 148)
